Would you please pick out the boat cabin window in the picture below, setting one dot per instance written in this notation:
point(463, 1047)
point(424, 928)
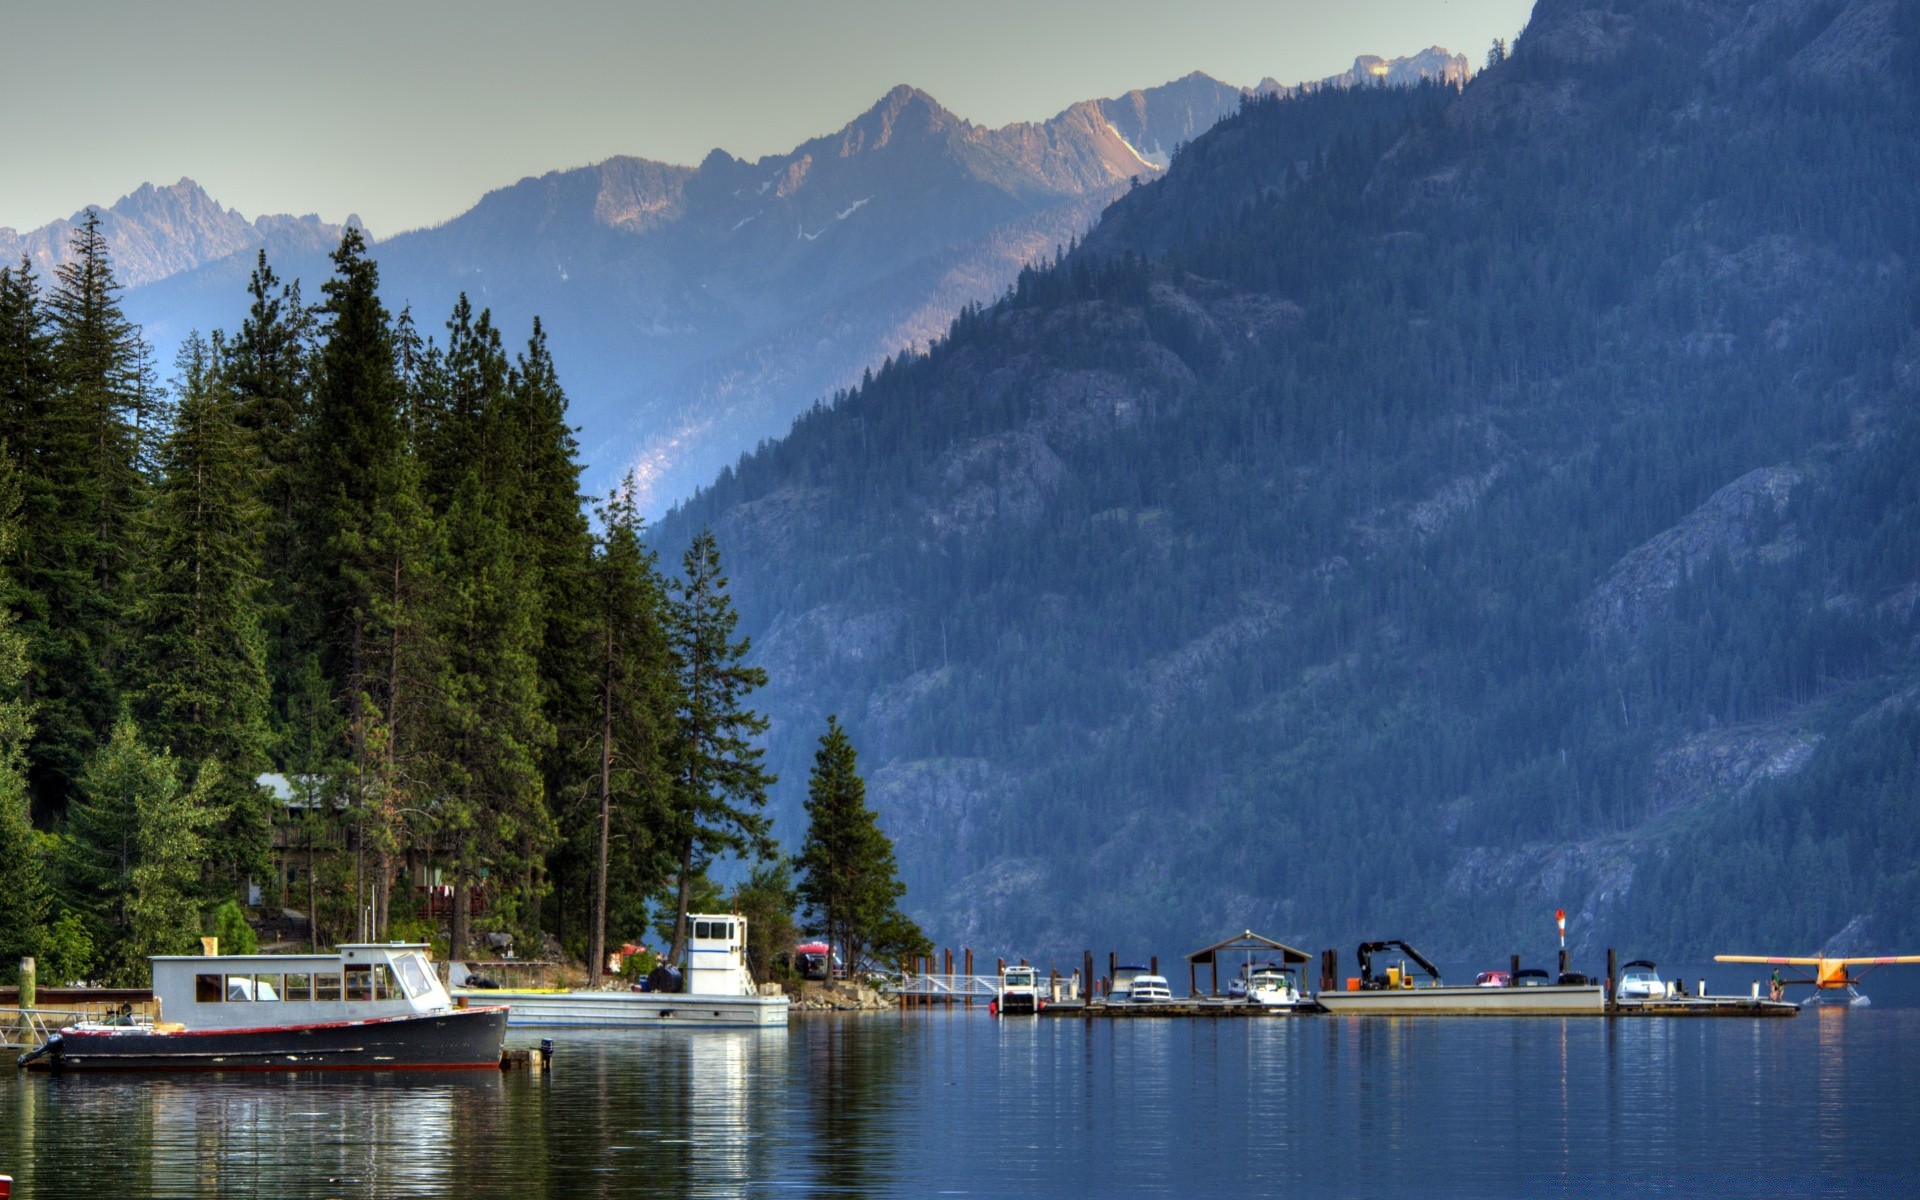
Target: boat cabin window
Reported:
point(413, 975)
point(720, 931)
point(299, 987)
point(208, 989)
point(326, 987)
point(253, 987)
point(370, 981)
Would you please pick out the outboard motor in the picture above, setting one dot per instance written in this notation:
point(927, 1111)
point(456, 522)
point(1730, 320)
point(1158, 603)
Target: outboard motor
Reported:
point(663, 978)
point(52, 1045)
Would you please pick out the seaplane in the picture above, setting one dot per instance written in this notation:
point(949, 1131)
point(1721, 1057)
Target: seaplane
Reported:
point(1830, 975)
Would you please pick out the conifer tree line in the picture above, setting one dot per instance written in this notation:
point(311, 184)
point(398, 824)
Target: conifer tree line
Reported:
point(325, 626)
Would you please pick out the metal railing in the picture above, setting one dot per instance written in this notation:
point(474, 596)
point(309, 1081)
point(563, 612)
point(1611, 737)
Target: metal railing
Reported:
point(29, 1027)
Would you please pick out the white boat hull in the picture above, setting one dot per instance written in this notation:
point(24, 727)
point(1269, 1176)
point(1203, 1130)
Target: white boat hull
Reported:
point(1587, 1000)
point(603, 1010)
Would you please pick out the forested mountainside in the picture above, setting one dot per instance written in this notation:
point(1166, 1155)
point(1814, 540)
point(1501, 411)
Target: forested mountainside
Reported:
point(1417, 511)
point(698, 309)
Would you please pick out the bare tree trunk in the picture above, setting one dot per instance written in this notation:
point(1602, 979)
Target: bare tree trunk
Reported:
point(680, 912)
point(382, 892)
point(313, 915)
point(462, 917)
point(597, 937)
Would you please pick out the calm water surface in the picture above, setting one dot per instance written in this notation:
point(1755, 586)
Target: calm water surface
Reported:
point(955, 1104)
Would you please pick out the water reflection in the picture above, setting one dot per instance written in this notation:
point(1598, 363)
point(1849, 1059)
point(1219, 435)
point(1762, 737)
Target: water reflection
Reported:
point(393, 1135)
point(934, 1104)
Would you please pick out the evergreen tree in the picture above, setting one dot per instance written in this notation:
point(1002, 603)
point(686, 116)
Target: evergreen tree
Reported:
point(497, 816)
point(128, 811)
point(267, 371)
point(360, 517)
point(163, 907)
point(354, 448)
point(23, 888)
point(637, 709)
point(83, 491)
point(848, 875)
point(26, 360)
point(201, 656)
point(720, 786)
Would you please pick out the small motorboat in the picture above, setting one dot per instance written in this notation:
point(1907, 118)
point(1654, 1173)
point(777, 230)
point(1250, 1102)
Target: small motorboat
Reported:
point(1019, 992)
point(367, 1007)
point(1149, 989)
point(1640, 980)
point(1267, 983)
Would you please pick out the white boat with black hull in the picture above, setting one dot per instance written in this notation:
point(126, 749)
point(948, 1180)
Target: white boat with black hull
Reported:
point(364, 1008)
point(1394, 992)
point(715, 988)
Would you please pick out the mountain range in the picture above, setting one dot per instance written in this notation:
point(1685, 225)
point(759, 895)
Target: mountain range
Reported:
point(696, 310)
point(1413, 512)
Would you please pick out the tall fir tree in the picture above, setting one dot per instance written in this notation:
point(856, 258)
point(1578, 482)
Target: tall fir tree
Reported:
point(499, 821)
point(357, 479)
point(720, 785)
point(23, 886)
point(84, 489)
point(201, 656)
point(636, 707)
point(849, 879)
point(267, 368)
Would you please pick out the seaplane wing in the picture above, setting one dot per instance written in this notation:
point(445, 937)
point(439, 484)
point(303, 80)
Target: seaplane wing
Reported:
point(1887, 960)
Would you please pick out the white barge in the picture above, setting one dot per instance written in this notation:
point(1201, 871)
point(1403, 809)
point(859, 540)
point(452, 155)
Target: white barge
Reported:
point(717, 990)
point(1394, 992)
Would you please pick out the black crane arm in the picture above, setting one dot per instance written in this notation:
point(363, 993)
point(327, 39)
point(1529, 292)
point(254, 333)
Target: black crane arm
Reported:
point(1369, 949)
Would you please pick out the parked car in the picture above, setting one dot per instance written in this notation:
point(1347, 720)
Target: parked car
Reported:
point(1494, 979)
point(1532, 977)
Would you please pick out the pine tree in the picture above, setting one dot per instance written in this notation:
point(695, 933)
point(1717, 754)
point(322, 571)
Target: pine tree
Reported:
point(201, 657)
point(23, 887)
point(544, 481)
point(163, 906)
point(497, 819)
point(359, 515)
point(636, 704)
point(83, 490)
point(848, 874)
point(267, 370)
point(127, 812)
point(720, 786)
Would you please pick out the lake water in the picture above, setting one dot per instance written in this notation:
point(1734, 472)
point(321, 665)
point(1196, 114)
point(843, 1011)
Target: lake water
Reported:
point(957, 1104)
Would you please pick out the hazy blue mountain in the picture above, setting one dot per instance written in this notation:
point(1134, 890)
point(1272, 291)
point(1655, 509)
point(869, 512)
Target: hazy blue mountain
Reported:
point(1416, 511)
point(697, 310)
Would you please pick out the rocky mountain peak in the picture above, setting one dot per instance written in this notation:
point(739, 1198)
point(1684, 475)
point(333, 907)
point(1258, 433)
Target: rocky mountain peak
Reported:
point(156, 231)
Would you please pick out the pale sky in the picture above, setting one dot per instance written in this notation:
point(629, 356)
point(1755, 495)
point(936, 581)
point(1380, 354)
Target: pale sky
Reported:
point(407, 112)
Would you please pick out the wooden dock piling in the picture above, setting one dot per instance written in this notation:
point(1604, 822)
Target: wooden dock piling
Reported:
point(969, 960)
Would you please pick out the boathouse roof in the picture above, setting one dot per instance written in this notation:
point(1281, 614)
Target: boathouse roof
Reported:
point(1248, 940)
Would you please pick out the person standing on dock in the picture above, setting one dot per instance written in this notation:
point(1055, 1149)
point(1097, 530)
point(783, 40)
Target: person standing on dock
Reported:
point(1776, 990)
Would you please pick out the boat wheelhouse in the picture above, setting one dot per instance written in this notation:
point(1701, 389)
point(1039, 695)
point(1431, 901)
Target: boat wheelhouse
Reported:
point(365, 1007)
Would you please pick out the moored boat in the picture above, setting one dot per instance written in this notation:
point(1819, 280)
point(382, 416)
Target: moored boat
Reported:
point(1269, 984)
point(366, 1007)
point(714, 988)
